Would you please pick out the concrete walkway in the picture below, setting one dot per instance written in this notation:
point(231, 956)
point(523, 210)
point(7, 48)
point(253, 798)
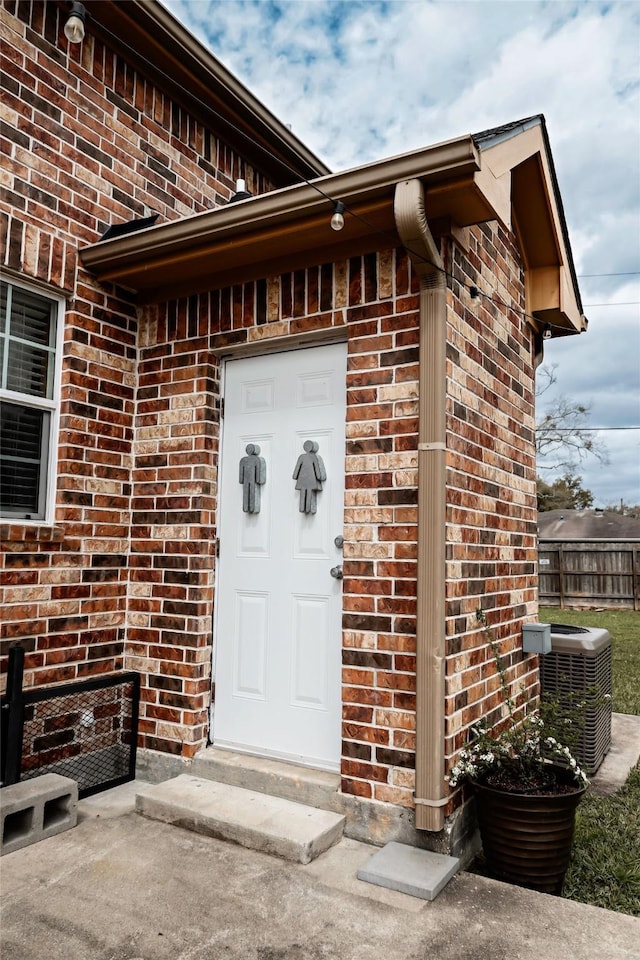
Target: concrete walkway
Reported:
point(122, 887)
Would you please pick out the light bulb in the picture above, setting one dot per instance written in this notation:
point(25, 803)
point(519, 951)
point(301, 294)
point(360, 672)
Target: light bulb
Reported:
point(74, 27)
point(337, 220)
point(547, 333)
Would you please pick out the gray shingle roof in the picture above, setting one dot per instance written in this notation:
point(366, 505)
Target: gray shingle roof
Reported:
point(587, 525)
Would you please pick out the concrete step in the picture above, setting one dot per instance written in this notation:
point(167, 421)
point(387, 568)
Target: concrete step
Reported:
point(270, 824)
point(315, 788)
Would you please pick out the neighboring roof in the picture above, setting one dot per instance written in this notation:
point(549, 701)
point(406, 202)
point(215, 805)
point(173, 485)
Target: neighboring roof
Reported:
point(145, 34)
point(587, 525)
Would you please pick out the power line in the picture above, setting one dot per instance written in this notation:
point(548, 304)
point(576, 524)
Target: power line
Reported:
point(621, 303)
point(629, 273)
point(588, 429)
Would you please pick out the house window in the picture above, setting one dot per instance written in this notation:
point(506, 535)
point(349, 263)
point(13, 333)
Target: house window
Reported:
point(30, 326)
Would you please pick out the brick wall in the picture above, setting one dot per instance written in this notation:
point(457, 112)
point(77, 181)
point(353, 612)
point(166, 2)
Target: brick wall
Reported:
point(491, 493)
point(87, 141)
point(175, 474)
point(491, 479)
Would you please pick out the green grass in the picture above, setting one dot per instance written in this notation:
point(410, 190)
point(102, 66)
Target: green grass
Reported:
point(605, 862)
point(624, 627)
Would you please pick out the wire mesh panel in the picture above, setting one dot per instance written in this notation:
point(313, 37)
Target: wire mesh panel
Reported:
point(85, 730)
point(580, 660)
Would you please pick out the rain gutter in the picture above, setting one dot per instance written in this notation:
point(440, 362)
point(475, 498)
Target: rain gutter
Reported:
point(412, 226)
point(127, 259)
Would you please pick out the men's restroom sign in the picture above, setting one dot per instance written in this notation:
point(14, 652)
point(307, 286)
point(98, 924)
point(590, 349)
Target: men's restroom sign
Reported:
point(252, 475)
point(309, 475)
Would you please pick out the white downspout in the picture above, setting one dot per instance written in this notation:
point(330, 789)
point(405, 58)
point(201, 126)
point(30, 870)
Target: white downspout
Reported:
point(411, 222)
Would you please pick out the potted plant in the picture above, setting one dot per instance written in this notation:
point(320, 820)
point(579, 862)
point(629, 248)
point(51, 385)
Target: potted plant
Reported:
point(527, 785)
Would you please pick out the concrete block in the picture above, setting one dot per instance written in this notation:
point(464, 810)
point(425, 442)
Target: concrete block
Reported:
point(255, 820)
point(420, 873)
point(33, 810)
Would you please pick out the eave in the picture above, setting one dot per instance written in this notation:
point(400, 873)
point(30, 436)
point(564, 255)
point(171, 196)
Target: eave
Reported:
point(466, 183)
point(520, 161)
point(289, 228)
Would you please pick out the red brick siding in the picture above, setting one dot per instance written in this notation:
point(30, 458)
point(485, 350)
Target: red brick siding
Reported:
point(173, 517)
point(380, 532)
point(87, 141)
point(174, 497)
point(491, 489)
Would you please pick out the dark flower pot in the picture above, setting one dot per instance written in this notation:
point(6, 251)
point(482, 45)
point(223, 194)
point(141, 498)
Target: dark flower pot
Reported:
point(527, 838)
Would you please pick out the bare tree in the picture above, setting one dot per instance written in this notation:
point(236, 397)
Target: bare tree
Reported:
point(563, 438)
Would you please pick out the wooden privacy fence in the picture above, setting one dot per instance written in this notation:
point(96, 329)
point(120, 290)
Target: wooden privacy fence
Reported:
point(597, 573)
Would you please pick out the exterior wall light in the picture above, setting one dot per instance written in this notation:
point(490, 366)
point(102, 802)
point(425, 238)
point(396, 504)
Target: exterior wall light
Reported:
point(337, 220)
point(241, 192)
point(74, 27)
point(547, 333)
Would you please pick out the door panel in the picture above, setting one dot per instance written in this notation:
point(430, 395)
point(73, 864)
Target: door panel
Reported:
point(278, 629)
point(250, 648)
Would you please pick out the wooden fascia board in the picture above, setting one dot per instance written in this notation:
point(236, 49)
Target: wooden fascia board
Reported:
point(230, 256)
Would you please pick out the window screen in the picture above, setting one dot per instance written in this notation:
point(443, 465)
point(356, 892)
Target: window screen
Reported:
point(28, 324)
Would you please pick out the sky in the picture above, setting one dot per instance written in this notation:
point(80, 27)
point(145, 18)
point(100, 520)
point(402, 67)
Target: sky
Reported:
point(360, 80)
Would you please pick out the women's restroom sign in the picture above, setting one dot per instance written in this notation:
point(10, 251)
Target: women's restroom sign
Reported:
point(309, 475)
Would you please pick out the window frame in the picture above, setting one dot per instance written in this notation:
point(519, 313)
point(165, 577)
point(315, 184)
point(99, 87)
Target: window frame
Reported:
point(50, 406)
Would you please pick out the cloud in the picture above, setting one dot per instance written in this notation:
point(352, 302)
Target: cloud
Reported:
point(601, 370)
point(358, 81)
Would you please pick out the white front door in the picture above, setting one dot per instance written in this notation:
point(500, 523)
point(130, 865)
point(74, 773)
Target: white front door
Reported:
point(277, 663)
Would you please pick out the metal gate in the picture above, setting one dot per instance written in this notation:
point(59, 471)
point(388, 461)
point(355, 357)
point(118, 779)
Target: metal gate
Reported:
point(86, 730)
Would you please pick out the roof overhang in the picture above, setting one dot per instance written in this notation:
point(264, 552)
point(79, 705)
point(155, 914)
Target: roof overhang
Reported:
point(519, 160)
point(288, 229)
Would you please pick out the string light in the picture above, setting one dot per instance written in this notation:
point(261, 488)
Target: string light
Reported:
point(74, 26)
point(337, 220)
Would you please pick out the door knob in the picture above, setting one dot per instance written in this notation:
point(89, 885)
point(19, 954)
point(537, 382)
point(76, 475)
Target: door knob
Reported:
point(336, 572)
